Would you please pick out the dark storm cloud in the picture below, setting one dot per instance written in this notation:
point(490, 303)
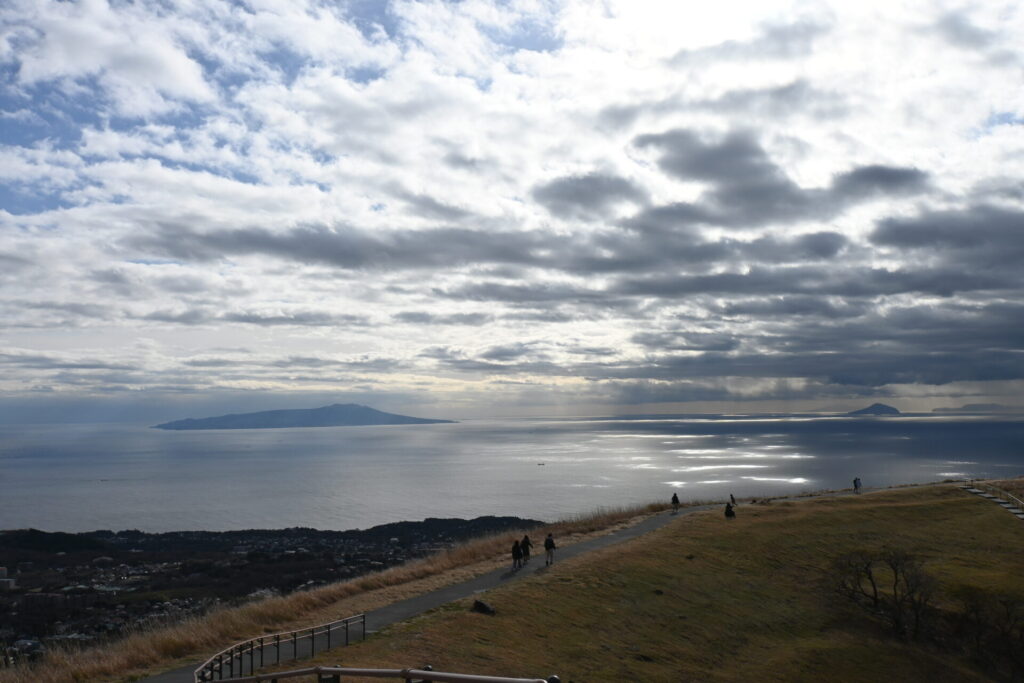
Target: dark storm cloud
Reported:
point(424, 318)
point(305, 319)
point(681, 340)
point(509, 352)
point(775, 41)
point(83, 310)
point(46, 362)
point(979, 236)
point(785, 306)
point(796, 97)
point(851, 282)
point(879, 180)
point(196, 316)
point(426, 206)
point(355, 365)
point(349, 247)
point(588, 196)
point(748, 189)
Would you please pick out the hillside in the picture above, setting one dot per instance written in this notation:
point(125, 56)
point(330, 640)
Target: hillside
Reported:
point(875, 409)
point(710, 600)
point(337, 415)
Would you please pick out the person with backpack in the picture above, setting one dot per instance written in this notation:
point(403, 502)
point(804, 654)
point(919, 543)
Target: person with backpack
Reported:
point(517, 556)
point(549, 551)
point(675, 503)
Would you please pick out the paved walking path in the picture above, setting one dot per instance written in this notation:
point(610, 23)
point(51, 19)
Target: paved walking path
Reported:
point(405, 609)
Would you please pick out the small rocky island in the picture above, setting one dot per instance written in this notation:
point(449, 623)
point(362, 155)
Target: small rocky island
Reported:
point(337, 415)
point(875, 409)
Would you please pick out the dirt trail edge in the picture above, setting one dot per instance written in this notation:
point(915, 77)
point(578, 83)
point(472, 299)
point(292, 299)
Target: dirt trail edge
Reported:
point(410, 607)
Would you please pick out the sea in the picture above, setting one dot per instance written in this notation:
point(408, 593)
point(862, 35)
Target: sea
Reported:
point(85, 477)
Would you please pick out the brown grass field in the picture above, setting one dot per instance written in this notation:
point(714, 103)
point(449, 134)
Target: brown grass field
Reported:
point(193, 640)
point(706, 599)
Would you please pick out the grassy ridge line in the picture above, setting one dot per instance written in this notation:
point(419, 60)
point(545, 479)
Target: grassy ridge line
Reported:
point(704, 599)
point(195, 638)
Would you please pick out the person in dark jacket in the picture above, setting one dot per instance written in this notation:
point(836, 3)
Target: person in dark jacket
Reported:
point(517, 555)
point(549, 550)
point(729, 512)
point(525, 546)
point(675, 503)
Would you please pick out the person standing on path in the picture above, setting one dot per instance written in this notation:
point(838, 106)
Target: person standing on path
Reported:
point(675, 503)
point(732, 499)
point(517, 555)
point(549, 551)
point(729, 512)
point(525, 546)
point(856, 484)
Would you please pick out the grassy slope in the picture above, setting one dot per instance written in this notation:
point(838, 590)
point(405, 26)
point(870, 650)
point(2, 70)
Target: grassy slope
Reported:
point(707, 599)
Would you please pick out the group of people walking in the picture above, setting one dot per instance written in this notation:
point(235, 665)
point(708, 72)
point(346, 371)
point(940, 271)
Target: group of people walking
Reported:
point(521, 551)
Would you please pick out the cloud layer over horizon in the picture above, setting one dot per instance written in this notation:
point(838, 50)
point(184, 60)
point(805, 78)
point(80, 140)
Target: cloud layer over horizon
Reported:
point(512, 207)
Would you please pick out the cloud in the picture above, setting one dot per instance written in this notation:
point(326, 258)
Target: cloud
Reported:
point(425, 318)
point(589, 196)
point(773, 41)
point(981, 236)
point(748, 189)
point(510, 202)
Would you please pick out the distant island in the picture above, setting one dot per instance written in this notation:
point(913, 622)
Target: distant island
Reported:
point(337, 415)
point(977, 408)
point(875, 409)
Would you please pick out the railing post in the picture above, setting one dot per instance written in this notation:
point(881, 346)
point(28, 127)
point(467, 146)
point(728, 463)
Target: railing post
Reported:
point(295, 644)
point(220, 666)
point(231, 662)
point(252, 656)
point(277, 646)
point(329, 635)
point(261, 652)
point(346, 633)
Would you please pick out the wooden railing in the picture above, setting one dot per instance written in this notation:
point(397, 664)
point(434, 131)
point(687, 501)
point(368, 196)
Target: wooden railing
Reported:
point(333, 674)
point(230, 663)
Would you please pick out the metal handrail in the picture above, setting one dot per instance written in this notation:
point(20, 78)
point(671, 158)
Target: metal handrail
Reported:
point(215, 664)
point(1000, 491)
point(407, 674)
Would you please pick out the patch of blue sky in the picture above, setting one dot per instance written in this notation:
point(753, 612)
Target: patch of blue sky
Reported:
point(27, 200)
point(57, 117)
point(997, 120)
point(528, 34)
point(286, 62)
point(1004, 118)
point(365, 74)
point(371, 17)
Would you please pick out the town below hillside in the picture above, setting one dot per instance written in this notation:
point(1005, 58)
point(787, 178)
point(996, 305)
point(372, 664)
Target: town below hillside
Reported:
point(80, 588)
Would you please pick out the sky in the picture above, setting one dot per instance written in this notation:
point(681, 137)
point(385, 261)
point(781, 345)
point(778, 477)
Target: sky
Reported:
point(473, 209)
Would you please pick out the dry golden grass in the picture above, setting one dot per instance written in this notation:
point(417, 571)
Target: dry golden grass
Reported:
point(194, 639)
point(704, 599)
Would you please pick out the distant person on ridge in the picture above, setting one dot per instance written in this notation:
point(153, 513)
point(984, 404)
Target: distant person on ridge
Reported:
point(517, 555)
point(856, 484)
point(525, 546)
point(549, 551)
point(675, 503)
point(732, 499)
point(729, 512)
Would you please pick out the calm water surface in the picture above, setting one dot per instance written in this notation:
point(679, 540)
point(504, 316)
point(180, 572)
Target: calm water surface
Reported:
point(85, 477)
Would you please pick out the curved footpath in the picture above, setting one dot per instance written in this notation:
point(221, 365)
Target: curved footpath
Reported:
point(405, 609)
point(410, 607)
